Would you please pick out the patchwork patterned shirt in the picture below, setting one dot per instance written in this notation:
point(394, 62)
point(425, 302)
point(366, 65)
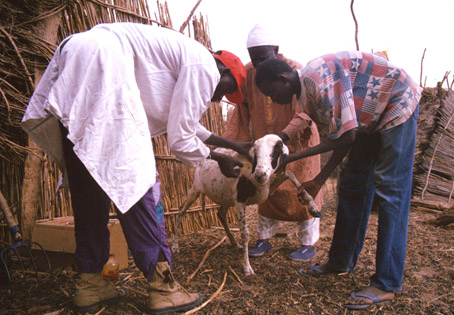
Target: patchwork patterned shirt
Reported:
point(352, 89)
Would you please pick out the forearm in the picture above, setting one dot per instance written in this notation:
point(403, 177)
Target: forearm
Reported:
point(335, 159)
point(228, 165)
point(221, 142)
point(329, 145)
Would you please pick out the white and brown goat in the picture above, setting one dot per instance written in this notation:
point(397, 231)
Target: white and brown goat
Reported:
point(253, 186)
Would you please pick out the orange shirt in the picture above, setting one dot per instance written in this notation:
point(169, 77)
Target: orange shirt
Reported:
point(259, 116)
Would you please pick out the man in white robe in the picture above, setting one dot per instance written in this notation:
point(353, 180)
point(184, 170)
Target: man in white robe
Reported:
point(104, 95)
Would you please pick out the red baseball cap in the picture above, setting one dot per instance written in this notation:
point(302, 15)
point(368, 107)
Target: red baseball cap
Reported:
point(238, 71)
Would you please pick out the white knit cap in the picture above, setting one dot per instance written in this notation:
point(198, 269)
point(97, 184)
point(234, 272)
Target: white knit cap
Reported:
point(260, 36)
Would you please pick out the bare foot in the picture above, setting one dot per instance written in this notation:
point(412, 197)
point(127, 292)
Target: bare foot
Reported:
point(359, 299)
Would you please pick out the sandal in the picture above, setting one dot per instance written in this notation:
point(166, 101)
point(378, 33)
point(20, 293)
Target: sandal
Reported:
point(375, 301)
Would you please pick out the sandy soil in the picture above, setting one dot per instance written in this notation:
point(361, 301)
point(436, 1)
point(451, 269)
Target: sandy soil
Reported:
point(276, 288)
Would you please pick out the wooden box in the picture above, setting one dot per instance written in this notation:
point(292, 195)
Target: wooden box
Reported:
point(57, 236)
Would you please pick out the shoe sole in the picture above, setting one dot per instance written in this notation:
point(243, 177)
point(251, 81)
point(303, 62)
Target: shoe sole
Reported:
point(301, 259)
point(180, 308)
point(257, 255)
point(95, 307)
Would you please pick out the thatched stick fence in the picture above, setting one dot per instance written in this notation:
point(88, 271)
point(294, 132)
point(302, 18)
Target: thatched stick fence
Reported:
point(433, 178)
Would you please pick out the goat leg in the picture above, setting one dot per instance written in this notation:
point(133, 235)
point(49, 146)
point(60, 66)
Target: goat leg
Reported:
point(222, 215)
point(192, 196)
point(241, 213)
point(304, 197)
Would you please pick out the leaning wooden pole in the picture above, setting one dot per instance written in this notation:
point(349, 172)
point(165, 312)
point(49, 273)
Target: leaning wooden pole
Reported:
point(356, 24)
point(47, 30)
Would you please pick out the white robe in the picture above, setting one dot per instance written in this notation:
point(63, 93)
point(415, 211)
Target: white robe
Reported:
point(115, 87)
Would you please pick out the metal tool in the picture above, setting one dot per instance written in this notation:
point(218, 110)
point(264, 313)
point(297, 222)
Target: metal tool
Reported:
point(18, 244)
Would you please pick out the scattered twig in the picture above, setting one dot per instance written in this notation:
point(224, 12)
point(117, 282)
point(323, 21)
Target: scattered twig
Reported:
point(40, 308)
point(137, 291)
point(138, 311)
point(136, 278)
point(307, 295)
point(231, 229)
point(211, 298)
point(426, 209)
point(100, 311)
point(203, 260)
point(439, 297)
point(64, 292)
point(55, 312)
point(236, 276)
point(127, 278)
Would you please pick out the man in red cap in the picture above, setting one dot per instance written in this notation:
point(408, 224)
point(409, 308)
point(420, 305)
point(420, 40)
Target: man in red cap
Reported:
point(104, 95)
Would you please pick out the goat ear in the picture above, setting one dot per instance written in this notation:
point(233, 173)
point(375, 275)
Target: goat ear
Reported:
point(254, 162)
point(277, 153)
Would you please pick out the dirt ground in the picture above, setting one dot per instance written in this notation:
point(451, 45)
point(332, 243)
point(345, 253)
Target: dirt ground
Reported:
point(276, 288)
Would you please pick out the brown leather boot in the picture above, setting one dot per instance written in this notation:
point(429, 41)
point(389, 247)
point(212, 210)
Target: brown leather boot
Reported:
point(92, 290)
point(166, 295)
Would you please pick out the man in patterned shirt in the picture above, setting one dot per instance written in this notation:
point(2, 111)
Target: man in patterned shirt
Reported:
point(365, 105)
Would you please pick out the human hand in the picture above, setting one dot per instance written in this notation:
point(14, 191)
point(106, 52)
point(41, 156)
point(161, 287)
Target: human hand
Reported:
point(244, 149)
point(229, 166)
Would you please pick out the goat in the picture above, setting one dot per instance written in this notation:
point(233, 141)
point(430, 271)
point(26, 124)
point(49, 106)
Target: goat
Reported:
point(253, 186)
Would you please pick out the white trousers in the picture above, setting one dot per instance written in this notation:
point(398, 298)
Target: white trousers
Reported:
point(308, 231)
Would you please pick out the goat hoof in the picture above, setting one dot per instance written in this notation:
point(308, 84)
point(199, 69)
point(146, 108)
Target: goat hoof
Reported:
point(315, 214)
point(249, 272)
point(239, 246)
point(175, 249)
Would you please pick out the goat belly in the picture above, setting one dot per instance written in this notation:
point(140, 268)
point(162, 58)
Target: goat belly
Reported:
point(246, 189)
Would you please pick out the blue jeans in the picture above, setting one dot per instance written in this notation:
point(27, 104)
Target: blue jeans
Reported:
point(379, 165)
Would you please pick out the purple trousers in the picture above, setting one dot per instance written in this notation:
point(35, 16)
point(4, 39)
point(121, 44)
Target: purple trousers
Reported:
point(143, 225)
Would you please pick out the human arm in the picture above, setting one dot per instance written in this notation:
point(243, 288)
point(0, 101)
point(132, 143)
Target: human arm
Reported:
point(346, 139)
point(240, 147)
point(229, 166)
point(313, 186)
point(340, 148)
point(191, 97)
